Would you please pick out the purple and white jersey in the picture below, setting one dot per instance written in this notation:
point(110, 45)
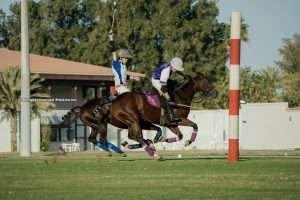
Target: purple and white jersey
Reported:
point(162, 73)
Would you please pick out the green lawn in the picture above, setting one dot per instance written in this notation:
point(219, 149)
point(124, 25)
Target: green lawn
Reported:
point(197, 175)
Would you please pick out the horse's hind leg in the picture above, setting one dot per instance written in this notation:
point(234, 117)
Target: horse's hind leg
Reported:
point(135, 133)
point(96, 128)
point(104, 142)
point(93, 136)
point(89, 120)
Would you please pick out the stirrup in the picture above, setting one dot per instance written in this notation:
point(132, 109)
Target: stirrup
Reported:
point(175, 120)
point(170, 123)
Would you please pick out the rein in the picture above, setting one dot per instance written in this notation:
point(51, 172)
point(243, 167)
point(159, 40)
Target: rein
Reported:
point(182, 96)
point(183, 105)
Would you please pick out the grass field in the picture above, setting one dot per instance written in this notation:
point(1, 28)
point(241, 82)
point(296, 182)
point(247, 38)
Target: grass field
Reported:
point(197, 175)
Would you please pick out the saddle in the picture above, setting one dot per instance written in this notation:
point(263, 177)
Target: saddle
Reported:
point(153, 99)
point(167, 116)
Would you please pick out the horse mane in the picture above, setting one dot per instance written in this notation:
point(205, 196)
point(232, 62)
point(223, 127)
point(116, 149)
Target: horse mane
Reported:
point(175, 86)
point(179, 89)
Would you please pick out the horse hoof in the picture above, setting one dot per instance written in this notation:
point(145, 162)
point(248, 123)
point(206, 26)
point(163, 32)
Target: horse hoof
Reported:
point(152, 147)
point(160, 139)
point(157, 157)
point(94, 141)
point(124, 144)
point(187, 143)
point(123, 154)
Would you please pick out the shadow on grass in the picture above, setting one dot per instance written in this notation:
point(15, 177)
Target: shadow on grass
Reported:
point(171, 159)
point(269, 157)
point(242, 159)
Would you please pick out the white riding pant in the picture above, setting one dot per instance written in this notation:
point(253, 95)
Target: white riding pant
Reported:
point(122, 89)
point(157, 85)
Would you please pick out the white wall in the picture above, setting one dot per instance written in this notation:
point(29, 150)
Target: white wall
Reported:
point(5, 135)
point(269, 126)
point(212, 132)
point(262, 126)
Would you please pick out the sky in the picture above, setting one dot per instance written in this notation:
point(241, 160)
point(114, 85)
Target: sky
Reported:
point(270, 21)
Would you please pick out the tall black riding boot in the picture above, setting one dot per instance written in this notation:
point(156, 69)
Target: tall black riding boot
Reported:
point(171, 113)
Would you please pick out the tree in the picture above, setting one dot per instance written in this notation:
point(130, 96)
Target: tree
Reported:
point(260, 86)
point(66, 25)
point(56, 28)
point(290, 66)
point(269, 84)
point(290, 88)
point(154, 31)
point(10, 92)
point(290, 53)
point(3, 30)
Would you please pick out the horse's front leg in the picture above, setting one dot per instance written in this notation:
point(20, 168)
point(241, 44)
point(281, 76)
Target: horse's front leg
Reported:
point(177, 132)
point(187, 122)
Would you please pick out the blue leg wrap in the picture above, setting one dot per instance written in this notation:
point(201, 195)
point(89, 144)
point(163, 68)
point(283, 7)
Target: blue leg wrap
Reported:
point(103, 146)
point(114, 148)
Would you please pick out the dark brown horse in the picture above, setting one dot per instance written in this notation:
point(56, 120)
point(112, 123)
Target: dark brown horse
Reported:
point(89, 116)
point(133, 111)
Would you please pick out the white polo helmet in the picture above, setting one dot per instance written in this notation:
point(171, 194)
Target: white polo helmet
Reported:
point(123, 53)
point(177, 63)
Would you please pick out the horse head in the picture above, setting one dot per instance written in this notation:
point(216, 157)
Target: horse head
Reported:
point(204, 85)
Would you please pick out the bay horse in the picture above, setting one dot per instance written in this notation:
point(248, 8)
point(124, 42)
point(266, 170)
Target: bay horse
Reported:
point(88, 114)
point(133, 111)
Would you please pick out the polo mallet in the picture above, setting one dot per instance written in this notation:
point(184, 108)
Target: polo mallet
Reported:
point(110, 33)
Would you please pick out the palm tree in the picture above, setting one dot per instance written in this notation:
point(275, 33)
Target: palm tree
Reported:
point(269, 83)
point(10, 93)
point(290, 88)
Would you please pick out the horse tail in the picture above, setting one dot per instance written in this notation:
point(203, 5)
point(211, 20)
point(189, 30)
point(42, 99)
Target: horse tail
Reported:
point(71, 116)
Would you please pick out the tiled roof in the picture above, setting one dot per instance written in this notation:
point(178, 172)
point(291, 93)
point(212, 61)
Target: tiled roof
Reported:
point(54, 66)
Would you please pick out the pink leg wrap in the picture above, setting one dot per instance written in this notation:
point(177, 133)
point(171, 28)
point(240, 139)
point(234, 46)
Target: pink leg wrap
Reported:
point(193, 136)
point(171, 140)
point(149, 150)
